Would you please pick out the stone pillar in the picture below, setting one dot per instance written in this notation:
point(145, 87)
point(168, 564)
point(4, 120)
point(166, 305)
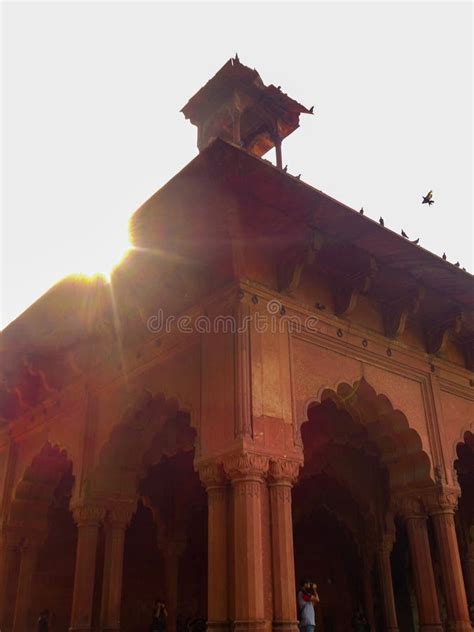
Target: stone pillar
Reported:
point(9, 546)
point(172, 551)
point(88, 519)
point(247, 472)
point(213, 478)
point(283, 474)
point(368, 589)
point(470, 565)
point(116, 523)
point(29, 555)
point(385, 573)
point(415, 518)
point(441, 508)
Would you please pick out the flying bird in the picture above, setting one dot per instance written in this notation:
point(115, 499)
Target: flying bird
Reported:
point(428, 198)
point(415, 241)
point(361, 210)
point(404, 234)
point(311, 109)
point(381, 222)
point(444, 256)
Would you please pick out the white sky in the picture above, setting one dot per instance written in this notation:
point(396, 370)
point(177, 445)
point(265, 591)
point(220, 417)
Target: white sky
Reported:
point(91, 94)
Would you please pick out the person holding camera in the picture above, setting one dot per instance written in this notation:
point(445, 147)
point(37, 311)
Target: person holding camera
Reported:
point(307, 598)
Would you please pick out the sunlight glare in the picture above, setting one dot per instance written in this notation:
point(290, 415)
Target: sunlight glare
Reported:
point(103, 252)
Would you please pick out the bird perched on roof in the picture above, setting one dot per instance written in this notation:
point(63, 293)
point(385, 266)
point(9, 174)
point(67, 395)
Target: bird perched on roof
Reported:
point(444, 256)
point(404, 234)
point(415, 241)
point(381, 222)
point(457, 264)
point(311, 109)
point(298, 176)
point(361, 210)
point(428, 198)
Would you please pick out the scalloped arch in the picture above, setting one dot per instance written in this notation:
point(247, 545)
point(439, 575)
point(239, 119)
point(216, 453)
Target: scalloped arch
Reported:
point(400, 445)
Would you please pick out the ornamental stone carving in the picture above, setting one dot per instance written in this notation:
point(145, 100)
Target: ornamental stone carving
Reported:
point(411, 507)
point(246, 466)
point(88, 515)
point(120, 513)
point(283, 471)
point(212, 474)
point(442, 500)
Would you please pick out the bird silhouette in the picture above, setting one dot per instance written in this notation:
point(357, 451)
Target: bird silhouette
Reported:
point(381, 222)
point(404, 234)
point(361, 210)
point(311, 109)
point(428, 198)
point(285, 168)
point(457, 264)
point(444, 256)
point(298, 176)
point(415, 241)
point(464, 269)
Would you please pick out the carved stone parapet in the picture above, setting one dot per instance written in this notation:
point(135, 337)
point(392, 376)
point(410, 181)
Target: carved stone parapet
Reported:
point(88, 514)
point(246, 466)
point(283, 471)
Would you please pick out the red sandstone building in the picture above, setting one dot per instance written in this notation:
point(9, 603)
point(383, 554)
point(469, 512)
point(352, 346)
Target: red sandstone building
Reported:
point(310, 412)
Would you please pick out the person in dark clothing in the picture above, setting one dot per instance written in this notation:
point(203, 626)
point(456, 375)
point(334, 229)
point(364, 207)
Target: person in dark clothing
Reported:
point(158, 623)
point(43, 622)
point(359, 622)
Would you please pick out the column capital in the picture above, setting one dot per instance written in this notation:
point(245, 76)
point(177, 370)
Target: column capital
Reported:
point(88, 514)
point(10, 539)
point(442, 500)
point(120, 513)
point(283, 471)
point(212, 474)
point(386, 543)
point(411, 507)
point(245, 466)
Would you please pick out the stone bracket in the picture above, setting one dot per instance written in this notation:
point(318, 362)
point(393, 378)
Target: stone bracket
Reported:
point(349, 287)
point(396, 312)
point(291, 268)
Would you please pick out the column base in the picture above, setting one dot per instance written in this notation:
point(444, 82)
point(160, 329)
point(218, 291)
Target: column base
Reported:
point(218, 626)
point(249, 626)
point(285, 626)
point(459, 626)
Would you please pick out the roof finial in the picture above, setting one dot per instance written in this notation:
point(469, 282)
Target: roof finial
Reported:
point(236, 57)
